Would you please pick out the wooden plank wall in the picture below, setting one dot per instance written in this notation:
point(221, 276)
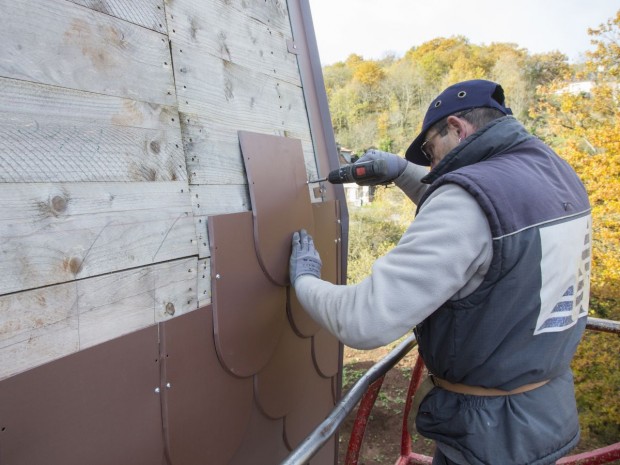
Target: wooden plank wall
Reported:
point(118, 136)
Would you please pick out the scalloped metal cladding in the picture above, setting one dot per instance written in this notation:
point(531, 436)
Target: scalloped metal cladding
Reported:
point(243, 380)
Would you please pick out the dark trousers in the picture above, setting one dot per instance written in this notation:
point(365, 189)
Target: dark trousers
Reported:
point(440, 459)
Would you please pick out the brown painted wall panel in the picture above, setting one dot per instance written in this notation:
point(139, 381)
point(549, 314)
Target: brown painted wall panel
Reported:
point(101, 406)
point(96, 407)
point(315, 404)
point(292, 361)
point(262, 443)
point(249, 310)
point(327, 238)
point(280, 198)
point(208, 409)
point(300, 320)
point(327, 241)
point(325, 353)
point(279, 385)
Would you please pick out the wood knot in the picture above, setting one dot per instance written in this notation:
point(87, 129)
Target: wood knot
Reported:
point(155, 147)
point(59, 204)
point(170, 309)
point(73, 264)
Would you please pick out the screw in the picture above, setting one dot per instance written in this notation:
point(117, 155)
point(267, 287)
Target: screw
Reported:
point(156, 390)
point(217, 276)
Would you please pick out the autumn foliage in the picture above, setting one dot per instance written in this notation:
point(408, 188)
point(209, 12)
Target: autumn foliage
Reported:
point(575, 108)
point(584, 127)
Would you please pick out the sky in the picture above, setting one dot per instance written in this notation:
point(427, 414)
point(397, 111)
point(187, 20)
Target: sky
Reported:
point(376, 28)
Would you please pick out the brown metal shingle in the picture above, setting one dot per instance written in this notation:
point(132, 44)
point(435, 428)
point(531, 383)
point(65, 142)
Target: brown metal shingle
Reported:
point(249, 310)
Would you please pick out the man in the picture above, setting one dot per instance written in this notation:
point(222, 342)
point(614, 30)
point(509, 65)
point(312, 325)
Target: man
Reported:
point(493, 274)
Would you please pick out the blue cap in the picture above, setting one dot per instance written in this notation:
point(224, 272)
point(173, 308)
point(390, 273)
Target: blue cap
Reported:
point(458, 97)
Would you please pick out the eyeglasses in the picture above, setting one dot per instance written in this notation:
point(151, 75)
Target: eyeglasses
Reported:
point(428, 151)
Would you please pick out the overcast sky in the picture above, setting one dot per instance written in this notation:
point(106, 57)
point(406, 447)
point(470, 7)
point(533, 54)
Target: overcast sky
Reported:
point(373, 28)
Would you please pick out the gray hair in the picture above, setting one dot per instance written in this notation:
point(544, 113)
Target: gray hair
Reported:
point(477, 117)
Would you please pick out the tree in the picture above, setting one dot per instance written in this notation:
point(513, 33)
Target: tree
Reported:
point(435, 58)
point(544, 68)
point(368, 73)
point(605, 60)
point(382, 104)
point(406, 96)
point(583, 125)
point(335, 77)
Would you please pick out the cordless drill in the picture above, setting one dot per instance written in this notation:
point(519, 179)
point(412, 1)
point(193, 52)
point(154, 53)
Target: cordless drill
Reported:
point(356, 172)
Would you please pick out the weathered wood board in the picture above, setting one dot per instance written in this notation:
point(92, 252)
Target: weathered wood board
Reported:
point(235, 35)
point(119, 129)
point(213, 154)
point(51, 134)
point(241, 49)
point(120, 303)
point(119, 139)
point(44, 324)
point(272, 13)
point(70, 46)
point(146, 13)
point(203, 279)
point(54, 233)
point(37, 327)
point(220, 199)
point(238, 96)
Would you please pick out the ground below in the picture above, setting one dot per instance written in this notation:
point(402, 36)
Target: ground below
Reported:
point(382, 440)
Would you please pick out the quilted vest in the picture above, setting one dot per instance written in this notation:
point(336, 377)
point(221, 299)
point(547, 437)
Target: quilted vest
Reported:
point(523, 323)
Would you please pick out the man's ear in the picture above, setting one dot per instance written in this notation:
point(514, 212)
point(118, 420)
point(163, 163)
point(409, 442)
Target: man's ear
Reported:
point(461, 126)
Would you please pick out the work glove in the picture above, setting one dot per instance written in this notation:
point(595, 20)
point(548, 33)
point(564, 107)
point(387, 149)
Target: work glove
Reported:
point(395, 166)
point(304, 257)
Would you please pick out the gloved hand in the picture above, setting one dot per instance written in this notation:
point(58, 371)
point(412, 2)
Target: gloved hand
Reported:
point(304, 257)
point(395, 166)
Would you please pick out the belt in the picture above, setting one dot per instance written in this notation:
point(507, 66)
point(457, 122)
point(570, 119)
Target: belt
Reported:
point(432, 381)
point(482, 391)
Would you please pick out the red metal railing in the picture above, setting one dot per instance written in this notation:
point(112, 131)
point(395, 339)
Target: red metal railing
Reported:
point(366, 390)
point(408, 457)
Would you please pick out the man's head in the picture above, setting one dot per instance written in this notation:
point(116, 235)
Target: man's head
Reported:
point(456, 113)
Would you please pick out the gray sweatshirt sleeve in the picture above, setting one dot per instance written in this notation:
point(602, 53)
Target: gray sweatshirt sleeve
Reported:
point(443, 254)
point(409, 182)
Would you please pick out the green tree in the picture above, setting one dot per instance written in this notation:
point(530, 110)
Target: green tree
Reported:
point(436, 57)
point(374, 230)
point(336, 77)
point(544, 68)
